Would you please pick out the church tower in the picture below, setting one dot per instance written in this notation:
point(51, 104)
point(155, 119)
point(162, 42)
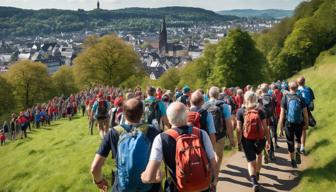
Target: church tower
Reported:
point(98, 5)
point(163, 38)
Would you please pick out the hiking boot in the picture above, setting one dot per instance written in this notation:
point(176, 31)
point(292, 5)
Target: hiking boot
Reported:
point(293, 162)
point(258, 176)
point(266, 160)
point(272, 156)
point(256, 187)
point(303, 152)
point(298, 158)
point(240, 147)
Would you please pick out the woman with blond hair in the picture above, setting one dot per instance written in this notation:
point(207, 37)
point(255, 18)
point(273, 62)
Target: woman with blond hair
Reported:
point(252, 125)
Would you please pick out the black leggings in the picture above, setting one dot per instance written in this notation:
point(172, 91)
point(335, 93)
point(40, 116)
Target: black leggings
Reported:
point(293, 133)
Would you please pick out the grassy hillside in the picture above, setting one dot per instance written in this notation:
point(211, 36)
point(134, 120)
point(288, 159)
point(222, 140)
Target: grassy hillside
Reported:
point(321, 143)
point(55, 158)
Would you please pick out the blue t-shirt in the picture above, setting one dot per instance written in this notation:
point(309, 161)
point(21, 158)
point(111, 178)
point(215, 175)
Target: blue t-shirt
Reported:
point(162, 107)
point(110, 143)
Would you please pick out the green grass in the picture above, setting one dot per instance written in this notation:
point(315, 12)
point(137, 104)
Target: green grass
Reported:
point(321, 143)
point(55, 158)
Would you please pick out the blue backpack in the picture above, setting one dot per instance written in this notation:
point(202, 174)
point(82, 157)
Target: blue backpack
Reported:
point(306, 93)
point(294, 109)
point(133, 156)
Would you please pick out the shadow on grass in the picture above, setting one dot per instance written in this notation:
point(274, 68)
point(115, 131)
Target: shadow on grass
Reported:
point(322, 143)
point(326, 172)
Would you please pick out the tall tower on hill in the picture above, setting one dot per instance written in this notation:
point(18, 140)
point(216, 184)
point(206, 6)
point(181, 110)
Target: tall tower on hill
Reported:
point(163, 37)
point(98, 4)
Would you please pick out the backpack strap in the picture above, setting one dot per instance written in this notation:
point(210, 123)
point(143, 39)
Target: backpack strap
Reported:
point(120, 130)
point(143, 128)
point(173, 133)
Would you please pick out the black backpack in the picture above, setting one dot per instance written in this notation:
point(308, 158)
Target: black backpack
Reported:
point(216, 109)
point(229, 101)
point(184, 99)
point(102, 111)
point(151, 111)
point(268, 105)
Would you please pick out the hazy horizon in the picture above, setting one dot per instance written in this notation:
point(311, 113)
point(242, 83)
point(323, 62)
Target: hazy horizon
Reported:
point(214, 5)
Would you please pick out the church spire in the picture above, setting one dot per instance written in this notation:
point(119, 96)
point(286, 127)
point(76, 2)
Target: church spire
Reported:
point(163, 48)
point(98, 4)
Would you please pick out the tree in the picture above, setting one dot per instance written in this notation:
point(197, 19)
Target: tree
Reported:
point(110, 61)
point(170, 79)
point(238, 61)
point(7, 101)
point(31, 83)
point(64, 81)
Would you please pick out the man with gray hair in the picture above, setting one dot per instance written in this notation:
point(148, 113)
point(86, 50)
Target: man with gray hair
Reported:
point(294, 115)
point(200, 117)
point(221, 113)
point(165, 146)
point(268, 104)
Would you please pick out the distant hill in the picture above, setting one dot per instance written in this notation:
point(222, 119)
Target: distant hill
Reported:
point(21, 22)
point(267, 13)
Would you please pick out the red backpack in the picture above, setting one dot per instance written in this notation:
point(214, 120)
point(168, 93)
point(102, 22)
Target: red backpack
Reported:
point(253, 129)
point(192, 164)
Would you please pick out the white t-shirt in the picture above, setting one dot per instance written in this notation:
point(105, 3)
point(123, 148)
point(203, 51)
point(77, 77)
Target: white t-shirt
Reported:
point(157, 153)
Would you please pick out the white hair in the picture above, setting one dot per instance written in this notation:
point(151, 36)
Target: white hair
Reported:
point(214, 92)
point(250, 100)
point(177, 114)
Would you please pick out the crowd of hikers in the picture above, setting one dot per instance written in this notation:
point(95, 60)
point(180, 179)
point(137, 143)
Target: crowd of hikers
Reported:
point(187, 130)
point(42, 115)
point(184, 129)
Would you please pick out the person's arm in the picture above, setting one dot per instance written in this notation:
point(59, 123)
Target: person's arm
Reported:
point(211, 156)
point(281, 121)
point(267, 133)
point(152, 174)
point(240, 131)
point(96, 172)
point(211, 128)
point(228, 123)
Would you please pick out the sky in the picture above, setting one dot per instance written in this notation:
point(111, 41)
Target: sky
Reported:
point(215, 5)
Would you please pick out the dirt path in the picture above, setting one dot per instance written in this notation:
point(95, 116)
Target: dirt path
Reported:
point(278, 176)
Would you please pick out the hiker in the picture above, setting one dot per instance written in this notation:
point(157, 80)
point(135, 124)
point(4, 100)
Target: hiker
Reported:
point(13, 126)
point(268, 106)
point(130, 163)
point(222, 120)
point(294, 115)
point(37, 119)
point(83, 107)
point(5, 129)
point(116, 113)
point(100, 112)
point(184, 98)
point(200, 174)
point(2, 137)
point(23, 122)
point(252, 124)
point(155, 110)
point(158, 93)
point(200, 117)
point(308, 95)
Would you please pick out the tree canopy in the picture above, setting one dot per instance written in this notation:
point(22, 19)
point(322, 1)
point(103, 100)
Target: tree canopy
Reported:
point(109, 61)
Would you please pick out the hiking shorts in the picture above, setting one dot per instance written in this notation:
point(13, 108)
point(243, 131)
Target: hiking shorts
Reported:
point(293, 133)
point(102, 123)
point(252, 148)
